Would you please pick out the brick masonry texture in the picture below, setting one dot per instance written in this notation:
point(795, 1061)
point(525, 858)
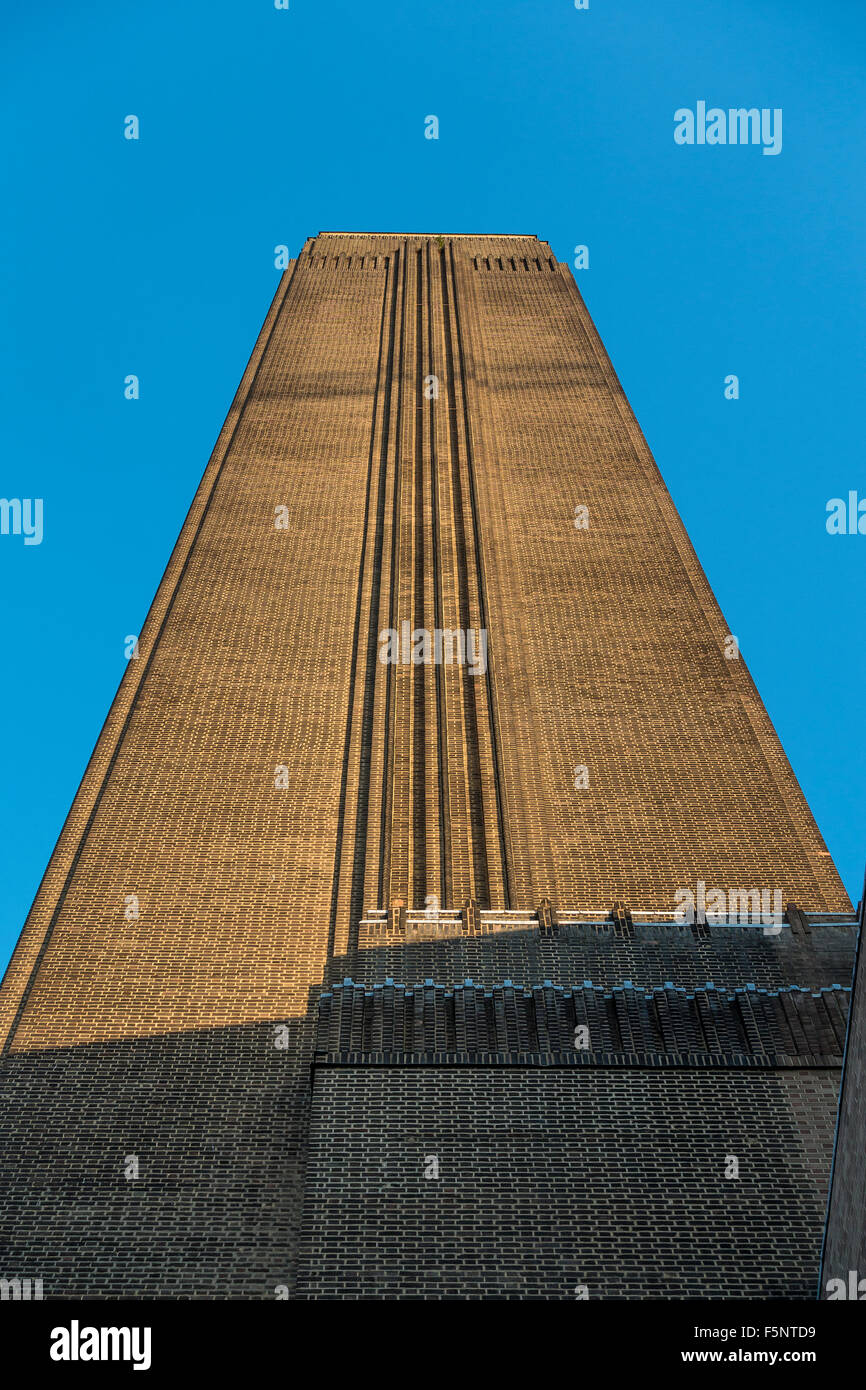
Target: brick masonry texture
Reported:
point(214, 1118)
point(845, 1245)
point(450, 508)
point(730, 956)
point(549, 1180)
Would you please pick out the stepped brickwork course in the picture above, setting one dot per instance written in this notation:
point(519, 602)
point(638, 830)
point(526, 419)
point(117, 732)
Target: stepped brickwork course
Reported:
point(433, 689)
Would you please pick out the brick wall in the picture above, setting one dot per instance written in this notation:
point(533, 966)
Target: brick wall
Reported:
point(550, 1179)
point(152, 1032)
point(845, 1247)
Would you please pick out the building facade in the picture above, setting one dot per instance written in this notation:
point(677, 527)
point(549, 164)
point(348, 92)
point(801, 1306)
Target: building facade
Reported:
point(359, 969)
point(843, 1274)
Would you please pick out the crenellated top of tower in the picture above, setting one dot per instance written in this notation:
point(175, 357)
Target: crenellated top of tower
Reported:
point(519, 246)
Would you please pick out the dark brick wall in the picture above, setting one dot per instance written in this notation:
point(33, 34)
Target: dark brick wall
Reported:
point(554, 1178)
point(218, 1120)
point(846, 1221)
point(215, 1118)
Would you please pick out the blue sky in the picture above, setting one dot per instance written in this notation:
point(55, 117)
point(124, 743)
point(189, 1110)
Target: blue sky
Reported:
point(261, 127)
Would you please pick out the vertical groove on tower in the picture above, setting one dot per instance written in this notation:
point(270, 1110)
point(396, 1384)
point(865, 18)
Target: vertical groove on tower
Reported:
point(474, 882)
point(455, 736)
point(377, 878)
point(362, 760)
point(398, 746)
point(424, 852)
point(489, 835)
point(442, 763)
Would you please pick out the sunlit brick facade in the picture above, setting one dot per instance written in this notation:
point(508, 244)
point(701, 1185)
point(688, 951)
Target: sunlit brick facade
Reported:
point(429, 438)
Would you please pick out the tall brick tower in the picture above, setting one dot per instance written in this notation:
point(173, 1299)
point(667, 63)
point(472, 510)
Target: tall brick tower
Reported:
point(357, 969)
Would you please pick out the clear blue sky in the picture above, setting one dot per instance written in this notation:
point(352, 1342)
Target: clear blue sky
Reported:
point(261, 127)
